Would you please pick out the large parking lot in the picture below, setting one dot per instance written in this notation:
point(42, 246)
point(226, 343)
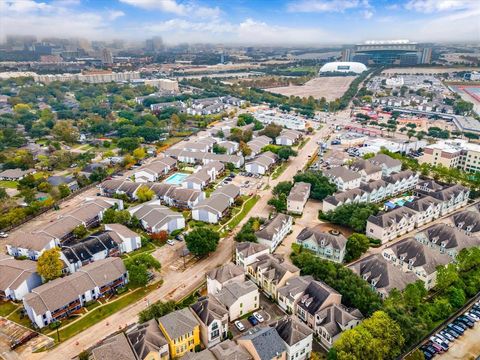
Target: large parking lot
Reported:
point(269, 311)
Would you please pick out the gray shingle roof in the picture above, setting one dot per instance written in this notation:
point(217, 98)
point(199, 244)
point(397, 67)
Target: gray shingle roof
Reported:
point(266, 342)
point(178, 323)
point(386, 219)
point(230, 293)
point(209, 309)
point(273, 226)
point(343, 173)
point(336, 241)
point(299, 191)
point(114, 348)
point(291, 330)
point(315, 295)
point(225, 272)
point(229, 350)
point(248, 248)
point(382, 159)
point(145, 338)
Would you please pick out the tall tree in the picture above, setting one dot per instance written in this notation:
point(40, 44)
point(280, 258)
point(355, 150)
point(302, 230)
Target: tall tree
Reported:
point(202, 241)
point(49, 265)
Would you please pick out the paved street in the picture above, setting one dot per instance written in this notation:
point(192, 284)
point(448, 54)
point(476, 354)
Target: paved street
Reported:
point(177, 284)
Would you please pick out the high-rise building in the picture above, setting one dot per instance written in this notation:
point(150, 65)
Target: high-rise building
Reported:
point(107, 57)
point(426, 55)
point(154, 44)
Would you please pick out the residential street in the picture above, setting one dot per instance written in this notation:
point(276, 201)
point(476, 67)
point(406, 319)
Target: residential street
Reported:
point(178, 284)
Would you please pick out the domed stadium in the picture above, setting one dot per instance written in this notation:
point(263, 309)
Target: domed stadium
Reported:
point(343, 67)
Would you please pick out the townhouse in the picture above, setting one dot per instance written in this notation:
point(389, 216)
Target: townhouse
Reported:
point(114, 347)
point(402, 181)
point(447, 239)
point(61, 297)
point(288, 137)
point(239, 298)
point(452, 197)
point(427, 208)
point(181, 330)
point(467, 220)
point(229, 350)
point(413, 256)
point(264, 343)
point(297, 198)
point(382, 275)
point(270, 273)
point(262, 164)
point(155, 170)
point(388, 164)
point(320, 307)
point(18, 278)
point(367, 169)
point(215, 207)
point(377, 190)
point(343, 198)
point(289, 294)
point(155, 217)
point(246, 253)
point(386, 226)
point(328, 246)
point(274, 231)
point(223, 275)
point(148, 342)
point(213, 319)
point(343, 178)
point(51, 234)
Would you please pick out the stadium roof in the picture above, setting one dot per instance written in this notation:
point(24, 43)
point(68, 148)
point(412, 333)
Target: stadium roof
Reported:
point(344, 67)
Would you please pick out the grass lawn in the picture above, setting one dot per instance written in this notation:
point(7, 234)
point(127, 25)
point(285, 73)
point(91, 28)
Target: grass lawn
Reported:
point(7, 307)
point(100, 313)
point(8, 184)
point(279, 170)
point(247, 206)
point(17, 317)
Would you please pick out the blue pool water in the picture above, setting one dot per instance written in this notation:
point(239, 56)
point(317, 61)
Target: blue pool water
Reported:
point(175, 179)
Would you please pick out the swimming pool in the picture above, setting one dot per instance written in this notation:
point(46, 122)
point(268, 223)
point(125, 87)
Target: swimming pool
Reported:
point(175, 179)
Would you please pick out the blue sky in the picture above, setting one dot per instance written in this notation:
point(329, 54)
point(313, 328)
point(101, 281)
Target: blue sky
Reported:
point(277, 22)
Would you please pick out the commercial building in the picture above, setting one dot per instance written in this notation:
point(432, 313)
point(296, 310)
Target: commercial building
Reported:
point(456, 153)
point(288, 121)
point(389, 52)
point(92, 77)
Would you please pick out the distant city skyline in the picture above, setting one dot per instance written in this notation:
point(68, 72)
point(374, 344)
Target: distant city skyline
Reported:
point(272, 22)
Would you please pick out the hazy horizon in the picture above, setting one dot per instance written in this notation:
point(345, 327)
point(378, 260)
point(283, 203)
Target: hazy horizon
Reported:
point(239, 22)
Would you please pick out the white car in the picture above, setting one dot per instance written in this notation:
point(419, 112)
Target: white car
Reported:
point(472, 315)
point(258, 317)
point(3, 235)
point(239, 325)
point(170, 242)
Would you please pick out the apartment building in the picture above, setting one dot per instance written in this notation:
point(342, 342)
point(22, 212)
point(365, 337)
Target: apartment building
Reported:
point(18, 278)
point(61, 297)
point(367, 169)
point(223, 275)
point(246, 253)
point(239, 298)
point(388, 225)
point(155, 217)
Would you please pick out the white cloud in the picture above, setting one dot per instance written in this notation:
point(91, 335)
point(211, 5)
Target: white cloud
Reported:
point(248, 31)
point(115, 14)
point(324, 5)
point(174, 7)
point(429, 6)
point(367, 14)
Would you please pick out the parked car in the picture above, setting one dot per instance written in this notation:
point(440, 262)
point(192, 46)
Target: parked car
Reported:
point(259, 317)
point(239, 326)
point(442, 338)
point(179, 237)
point(460, 325)
point(466, 321)
point(3, 235)
point(452, 332)
point(437, 347)
point(471, 318)
point(456, 328)
point(253, 320)
point(431, 349)
point(447, 335)
point(170, 242)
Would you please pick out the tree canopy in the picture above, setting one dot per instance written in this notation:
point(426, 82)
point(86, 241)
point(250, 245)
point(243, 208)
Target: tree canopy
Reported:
point(49, 265)
point(202, 241)
point(320, 185)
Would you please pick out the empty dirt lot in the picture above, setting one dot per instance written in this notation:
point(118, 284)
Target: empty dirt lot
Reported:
point(330, 87)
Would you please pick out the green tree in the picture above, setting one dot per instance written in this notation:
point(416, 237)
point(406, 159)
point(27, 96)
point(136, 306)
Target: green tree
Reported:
point(80, 231)
point(285, 152)
point(65, 131)
point(49, 265)
point(353, 215)
point(139, 153)
point(282, 187)
point(64, 190)
point(320, 186)
point(272, 130)
point(217, 149)
point(376, 338)
point(138, 267)
point(202, 241)
point(357, 245)
point(128, 144)
point(156, 311)
point(144, 193)
point(3, 194)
